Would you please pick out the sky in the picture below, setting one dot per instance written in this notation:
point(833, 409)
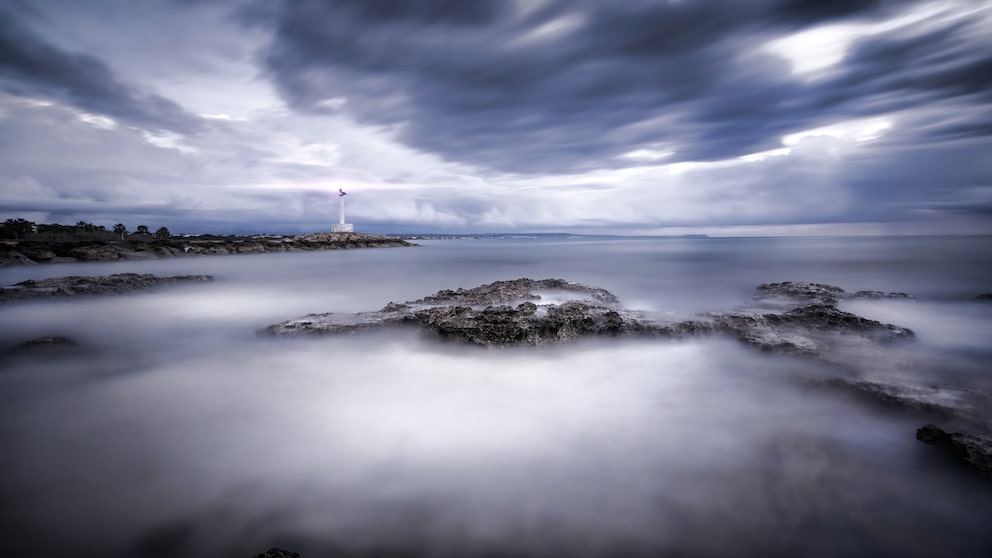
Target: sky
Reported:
point(721, 117)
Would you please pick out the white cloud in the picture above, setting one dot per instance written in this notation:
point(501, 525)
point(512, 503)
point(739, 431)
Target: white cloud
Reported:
point(813, 52)
point(98, 121)
point(860, 131)
point(222, 116)
point(166, 140)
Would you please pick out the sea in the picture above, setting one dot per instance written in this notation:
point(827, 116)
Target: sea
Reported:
point(173, 429)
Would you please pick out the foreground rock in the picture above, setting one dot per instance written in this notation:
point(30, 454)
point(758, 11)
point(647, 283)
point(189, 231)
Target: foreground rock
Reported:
point(518, 312)
point(33, 251)
point(540, 312)
point(277, 553)
point(972, 449)
point(79, 285)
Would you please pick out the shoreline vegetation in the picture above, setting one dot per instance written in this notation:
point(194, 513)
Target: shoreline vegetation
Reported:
point(36, 248)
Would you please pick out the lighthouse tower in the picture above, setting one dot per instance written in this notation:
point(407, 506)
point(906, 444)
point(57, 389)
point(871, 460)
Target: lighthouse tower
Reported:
point(341, 226)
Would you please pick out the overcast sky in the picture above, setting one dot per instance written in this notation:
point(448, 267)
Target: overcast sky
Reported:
point(611, 116)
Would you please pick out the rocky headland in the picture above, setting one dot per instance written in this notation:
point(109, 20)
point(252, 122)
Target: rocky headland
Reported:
point(28, 252)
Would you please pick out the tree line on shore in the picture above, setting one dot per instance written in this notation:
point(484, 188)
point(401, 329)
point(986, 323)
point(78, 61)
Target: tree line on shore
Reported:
point(22, 229)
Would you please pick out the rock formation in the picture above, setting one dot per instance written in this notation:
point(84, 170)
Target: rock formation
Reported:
point(539, 312)
point(79, 285)
point(973, 449)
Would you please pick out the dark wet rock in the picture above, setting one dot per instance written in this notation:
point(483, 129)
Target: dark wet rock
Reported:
point(539, 312)
point(522, 325)
point(804, 329)
point(809, 293)
point(95, 253)
point(13, 257)
point(936, 400)
point(880, 294)
point(973, 449)
point(517, 312)
point(48, 341)
point(277, 553)
point(80, 285)
point(47, 347)
point(791, 293)
point(984, 296)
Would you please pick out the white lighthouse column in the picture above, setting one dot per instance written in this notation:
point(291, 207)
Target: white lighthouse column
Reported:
point(342, 226)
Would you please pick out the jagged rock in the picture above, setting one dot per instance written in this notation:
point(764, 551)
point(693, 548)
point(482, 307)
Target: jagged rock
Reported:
point(810, 293)
point(539, 312)
point(518, 312)
point(36, 251)
point(13, 257)
point(879, 294)
point(972, 449)
point(77, 285)
point(790, 293)
point(801, 329)
point(277, 553)
point(95, 253)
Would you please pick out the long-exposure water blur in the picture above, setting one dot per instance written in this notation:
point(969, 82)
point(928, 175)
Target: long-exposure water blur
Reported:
point(175, 430)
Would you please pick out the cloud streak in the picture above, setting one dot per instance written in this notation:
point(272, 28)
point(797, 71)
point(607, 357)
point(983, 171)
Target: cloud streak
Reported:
point(492, 115)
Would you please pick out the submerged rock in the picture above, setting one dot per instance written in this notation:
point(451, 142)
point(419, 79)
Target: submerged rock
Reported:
point(936, 400)
point(277, 553)
point(806, 329)
point(791, 293)
point(539, 312)
point(973, 449)
point(81, 285)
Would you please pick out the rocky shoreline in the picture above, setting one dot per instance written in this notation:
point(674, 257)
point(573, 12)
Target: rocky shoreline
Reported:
point(29, 252)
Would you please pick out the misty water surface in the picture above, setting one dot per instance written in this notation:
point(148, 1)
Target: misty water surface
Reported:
point(175, 431)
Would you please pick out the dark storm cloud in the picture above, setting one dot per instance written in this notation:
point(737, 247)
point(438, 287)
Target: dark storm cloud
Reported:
point(479, 83)
point(32, 67)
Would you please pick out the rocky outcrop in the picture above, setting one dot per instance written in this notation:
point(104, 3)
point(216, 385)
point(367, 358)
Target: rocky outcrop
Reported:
point(518, 312)
point(277, 553)
point(33, 251)
point(975, 450)
point(540, 312)
point(80, 285)
point(807, 329)
point(789, 293)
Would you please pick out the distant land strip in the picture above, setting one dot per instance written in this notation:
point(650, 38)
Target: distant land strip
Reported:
point(29, 252)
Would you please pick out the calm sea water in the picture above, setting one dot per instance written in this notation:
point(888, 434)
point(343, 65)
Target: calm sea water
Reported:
point(175, 431)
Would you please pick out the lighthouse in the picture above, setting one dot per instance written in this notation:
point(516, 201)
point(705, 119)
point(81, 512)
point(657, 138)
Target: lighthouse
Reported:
point(341, 226)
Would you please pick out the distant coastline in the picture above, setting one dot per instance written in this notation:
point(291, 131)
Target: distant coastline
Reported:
point(36, 251)
point(535, 236)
